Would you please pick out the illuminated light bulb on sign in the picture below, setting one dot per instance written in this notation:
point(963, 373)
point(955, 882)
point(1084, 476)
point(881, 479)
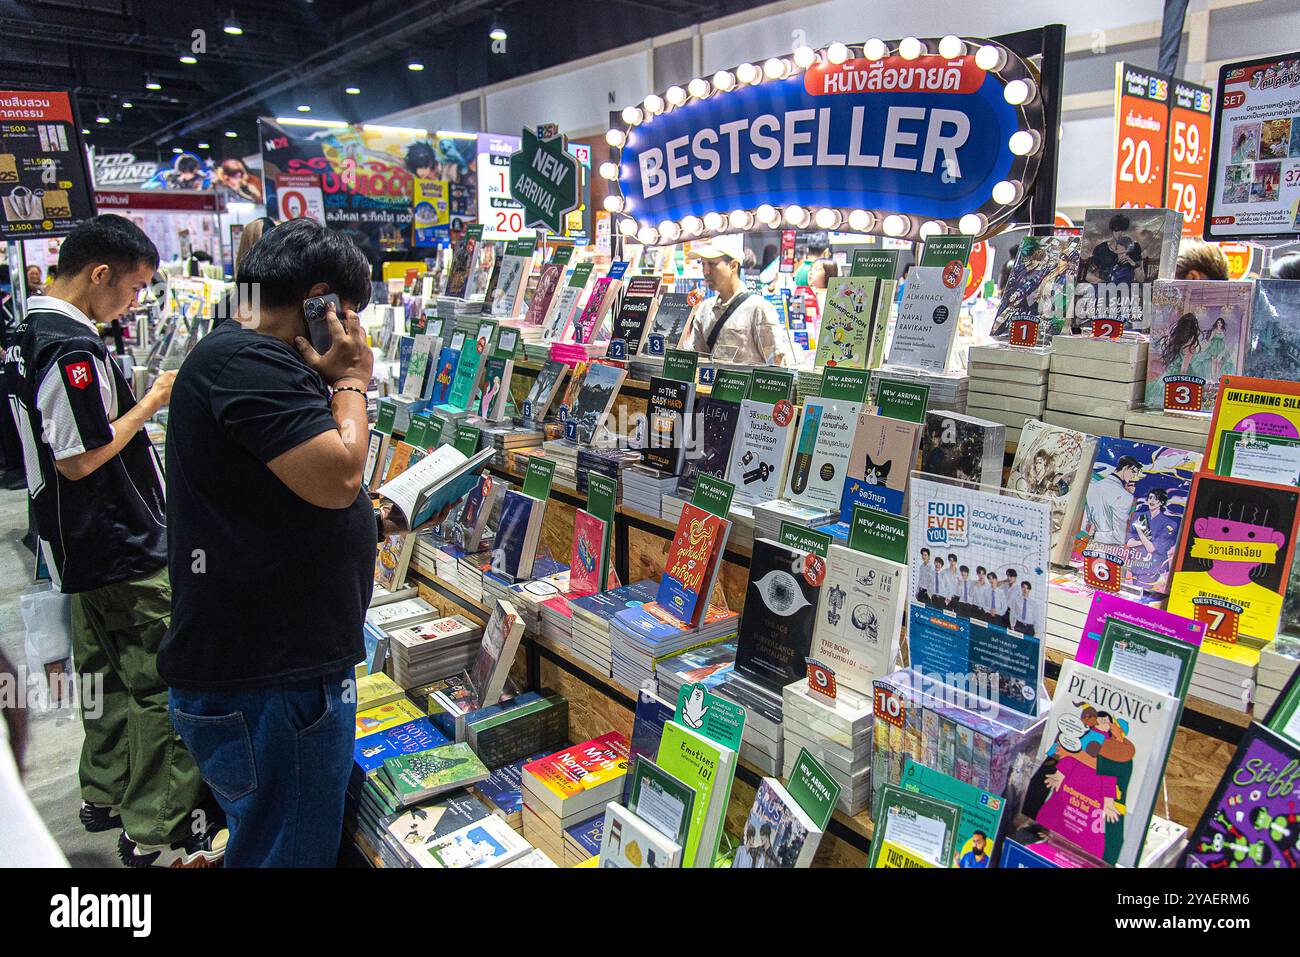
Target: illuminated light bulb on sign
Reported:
point(776, 68)
point(972, 224)
point(951, 46)
point(827, 218)
point(741, 219)
point(669, 230)
point(797, 216)
point(608, 171)
point(1006, 193)
point(653, 103)
point(627, 226)
point(804, 57)
point(860, 220)
point(1019, 92)
point(1024, 142)
point(698, 88)
point(875, 49)
point(909, 48)
point(932, 228)
point(647, 235)
point(724, 80)
point(691, 226)
point(768, 214)
point(748, 73)
point(615, 138)
point(714, 221)
point(895, 225)
point(632, 115)
point(614, 204)
point(989, 57)
point(837, 53)
point(675, 95)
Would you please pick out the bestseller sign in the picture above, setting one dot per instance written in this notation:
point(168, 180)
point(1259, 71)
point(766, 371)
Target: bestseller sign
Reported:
point(544, 179)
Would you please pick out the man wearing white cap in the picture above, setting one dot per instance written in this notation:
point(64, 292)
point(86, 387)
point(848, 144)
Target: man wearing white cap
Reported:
point(740, 327)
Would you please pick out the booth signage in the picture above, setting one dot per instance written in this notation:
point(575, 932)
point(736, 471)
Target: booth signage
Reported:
point(544, 179)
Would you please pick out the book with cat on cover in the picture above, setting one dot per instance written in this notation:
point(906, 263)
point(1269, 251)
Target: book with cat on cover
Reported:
point(846, 324)
point(715, 420)
point(667, 409)
point(762, 444)
point(776, 624)
point(1100, 762)
point(1198, 335)
point(1251, 819)
point(692, 566)
point(588, 553)
point(1234, 557)
point(859, 616)
point(634, 311)
point(1054, 462)
point(1133, 508)
point(880, 462)
point(426, 774)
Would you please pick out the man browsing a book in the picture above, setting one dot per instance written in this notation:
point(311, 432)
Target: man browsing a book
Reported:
point(272, 549)
point(735, 326)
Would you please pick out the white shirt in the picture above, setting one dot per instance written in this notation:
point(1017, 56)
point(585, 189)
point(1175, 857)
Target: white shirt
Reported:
point(925, 579)
point(1024, 612)
point(754, 335)
point(1107, 506)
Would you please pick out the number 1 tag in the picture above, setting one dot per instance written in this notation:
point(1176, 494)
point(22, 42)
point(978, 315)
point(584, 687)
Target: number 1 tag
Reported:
point(1024, 332)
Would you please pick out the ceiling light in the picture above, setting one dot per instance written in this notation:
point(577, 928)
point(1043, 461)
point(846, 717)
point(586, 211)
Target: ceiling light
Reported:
point(837, 53)
point(895, 225)
point(951, 47)
point(232, 135)
point(352, 90)
point(875, 49)
point(205, 146)
point(304, 108)
point(189, 60)
point(415, 66)
point(85, 132)
point(101, 119)
point(150, 83)
point(176, 150)
point(232, 26)
point(909, 48)
point(497, 31)
point(128, 105)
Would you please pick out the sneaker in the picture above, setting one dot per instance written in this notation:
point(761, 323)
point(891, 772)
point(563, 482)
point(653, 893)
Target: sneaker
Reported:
point(99, 817)
point(199, 850)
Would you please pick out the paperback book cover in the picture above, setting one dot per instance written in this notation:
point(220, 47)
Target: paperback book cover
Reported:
point(1040, 287)
point(962, 447)
point(859, 616)
point(708, 768)
point(1198, 335)
point(667, 409)
point(1106, 608)
point(978, 573)
point(470, 366)
point(778, 832)
point(593, 765)
point(716, 420)
point(496, 653)
point(548, 284)
point(981, 812)
point(630, 842)
point(477, 511)
point(657, 797)
point(461, 264)
point(588, 555)
point(1100, 762)
point(1123, 252)
point(776, 623)
point(446, 370)
point(490, 842)
point(425, 774)
point(1234, 556)
point(1251, 820)
point(824, 447)
point(1255, 430)
point(516, 539)
point(880, 462)
point(543, 391)
point(1133, 508)
point(595, 396)
point(506, 300)
point(565, 309)
point(692, 564)
point(913, 830)
point(926, 326)
point(494, 391)
point(1273, 341)
point(763, 437)
point(634, 311)
point(668, 322)
point(412, 737)
point(1054, 462)
point(596, 312)
point(846, 324)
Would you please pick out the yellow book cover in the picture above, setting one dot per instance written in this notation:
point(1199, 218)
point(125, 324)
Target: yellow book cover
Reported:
point(385, 716)
point(377, 689)
point(896, 856)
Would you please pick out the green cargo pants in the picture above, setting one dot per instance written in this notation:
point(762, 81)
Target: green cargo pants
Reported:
point(131, 756)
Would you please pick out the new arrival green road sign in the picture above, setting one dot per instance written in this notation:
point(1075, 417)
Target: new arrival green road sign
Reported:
point(544, 178)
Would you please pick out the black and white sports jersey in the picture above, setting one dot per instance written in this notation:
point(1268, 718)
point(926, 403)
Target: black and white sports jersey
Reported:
point(111, 525)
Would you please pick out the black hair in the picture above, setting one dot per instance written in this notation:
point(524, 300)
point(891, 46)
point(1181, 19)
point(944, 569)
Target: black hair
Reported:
point(107, 239)
point(1119, 223)
point(1127, 462)
point(1185, 332)
point(1161, 495)
point(981, 834)
point(187, 164)
point(964, 568)
point(297, 255)
point(419, 156)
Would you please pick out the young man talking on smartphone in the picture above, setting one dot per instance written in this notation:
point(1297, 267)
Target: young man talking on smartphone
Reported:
point(272, 549)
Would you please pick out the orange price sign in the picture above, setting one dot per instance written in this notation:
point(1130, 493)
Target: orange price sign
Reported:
point(1107, 328)
point(1240, 256)
point(1191, 112)
point(1141, 136)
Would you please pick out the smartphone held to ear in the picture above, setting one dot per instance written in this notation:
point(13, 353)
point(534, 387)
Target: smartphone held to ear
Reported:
point(318, 327)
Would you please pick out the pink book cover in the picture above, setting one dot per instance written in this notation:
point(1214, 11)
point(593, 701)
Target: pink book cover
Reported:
point(588, 550)
point(1058, 855)
point(560, 603)
point(1072, 809)
point(1105, 605)
point(586, 325)
point(547, 283)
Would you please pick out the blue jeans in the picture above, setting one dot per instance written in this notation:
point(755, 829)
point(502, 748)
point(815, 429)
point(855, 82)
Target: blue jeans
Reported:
point(278, 761)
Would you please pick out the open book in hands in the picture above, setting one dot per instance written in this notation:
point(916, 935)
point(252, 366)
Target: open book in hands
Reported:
point(438, 480)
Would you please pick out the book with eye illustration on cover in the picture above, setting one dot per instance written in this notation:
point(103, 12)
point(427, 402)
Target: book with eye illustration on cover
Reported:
point(1198, 335)
point(776, 623)
point(1100, 762)
point(884, 451)
point(1054, 462)
point(1040, 287)
point(762, 444)
point(823, 448)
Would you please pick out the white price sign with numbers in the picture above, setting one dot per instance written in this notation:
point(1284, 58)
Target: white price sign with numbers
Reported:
point(502, 217)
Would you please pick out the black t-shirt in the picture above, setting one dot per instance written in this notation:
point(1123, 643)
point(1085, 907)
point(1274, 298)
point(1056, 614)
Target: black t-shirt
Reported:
point(110, 526)
point(266, 588)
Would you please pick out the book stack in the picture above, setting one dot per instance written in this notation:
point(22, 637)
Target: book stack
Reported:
point(382, 596)
point(502, 791)
point(707, 664)
point(531, 724)
point(1278, 661)
point(641, 637)
point(670, 507)
point(529, 596)
point(837, 732)
point(454, 308)
point(610, 462)
point(809, 382)
point(569, 787)
point(401, 614)
point(644, 489)
point(433, 649)
point(1068, 601)
point(406, 735)
point(1226, 674)
point(565, 456)
point(426, 774)
point(592, 615)
point(432, 555)
point(1182, 430)
point(1094, 383)
point(410, 832)
point(499, 587)
point(1001, 372)
point(768, 517)
point(762, 743)
point(557, 621)
point(582, 840)
point(948, 390)
point(469, 572)
point(504, 440)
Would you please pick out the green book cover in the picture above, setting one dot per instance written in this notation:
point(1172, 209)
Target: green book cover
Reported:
point(414, 777)
point(878, 533)
point(846, 324)
point(924, 826)
point(418, 433)
point(470, 366)
point(386, 416)
point(871, 263)
point(695, 760)
point(661, 800)
point(981, 812)
point(1147, 658)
